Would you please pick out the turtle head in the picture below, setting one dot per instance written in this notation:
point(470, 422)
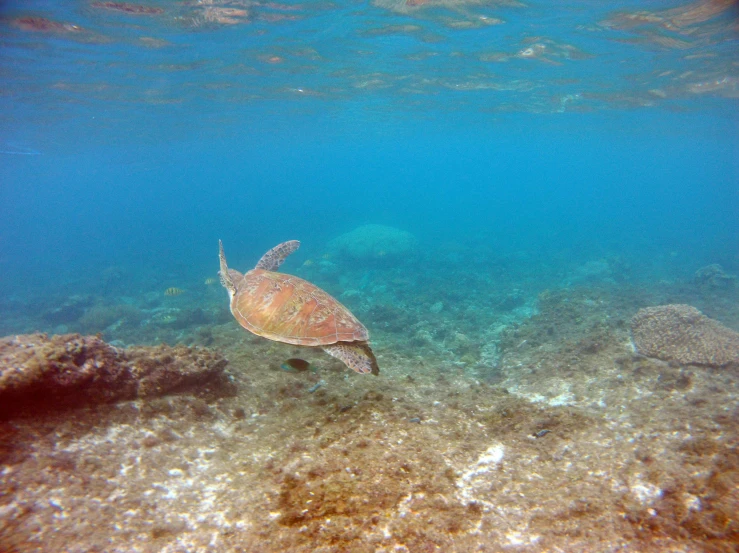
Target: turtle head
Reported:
point(226, 279)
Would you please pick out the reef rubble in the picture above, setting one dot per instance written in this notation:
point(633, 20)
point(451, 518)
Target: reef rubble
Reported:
point(570, 441)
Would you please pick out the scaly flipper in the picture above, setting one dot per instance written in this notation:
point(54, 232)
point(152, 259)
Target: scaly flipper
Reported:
point(356, 355)
point(226, 280)
point(272, 260)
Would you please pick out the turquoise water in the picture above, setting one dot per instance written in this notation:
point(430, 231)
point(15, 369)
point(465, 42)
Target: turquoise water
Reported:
point(495, 189)
point(131, 142)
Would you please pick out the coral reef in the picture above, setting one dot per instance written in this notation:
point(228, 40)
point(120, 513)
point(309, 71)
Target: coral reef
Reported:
point(578, 446)
point(507, 418)
point(42, 373)
point(374, 243)
point(714, 277)
point(683, 334)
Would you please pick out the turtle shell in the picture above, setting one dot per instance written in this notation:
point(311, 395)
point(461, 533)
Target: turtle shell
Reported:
point(289, 309)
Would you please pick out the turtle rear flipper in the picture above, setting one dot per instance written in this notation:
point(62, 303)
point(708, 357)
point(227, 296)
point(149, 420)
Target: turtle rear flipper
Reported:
point(356, 355)
point(272, 260)
point(226, 279)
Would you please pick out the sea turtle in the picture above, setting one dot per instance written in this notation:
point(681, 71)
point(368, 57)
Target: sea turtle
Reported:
point(288, 309)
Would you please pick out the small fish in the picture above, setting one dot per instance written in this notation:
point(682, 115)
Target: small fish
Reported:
point(210, 281)
point(307, 263)
point(173, 291)
point(315, 386)
point(326, 256)
point(168, 319)
point(297, 365)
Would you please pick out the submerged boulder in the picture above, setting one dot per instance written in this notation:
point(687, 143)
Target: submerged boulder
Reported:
point(714, 277)
point(374, 243)
point(41, 372)
point(683, 334)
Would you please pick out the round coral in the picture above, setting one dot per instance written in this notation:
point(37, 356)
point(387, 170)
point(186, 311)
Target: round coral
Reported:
point(374, 243)
point(683, 334)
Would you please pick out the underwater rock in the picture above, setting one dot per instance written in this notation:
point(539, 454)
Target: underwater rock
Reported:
point(683, 334)
point(41, 373)
point(592, 272)
point(114, 279)
point(714, 277)
point(101, 317)
point(187, 318)
point(69, 311)
point(511, 301)
point(490, 355)
point(327, 268)
point(374, 243)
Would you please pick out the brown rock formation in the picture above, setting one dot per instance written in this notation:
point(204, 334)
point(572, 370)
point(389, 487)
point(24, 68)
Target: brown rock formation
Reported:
point(41, 372)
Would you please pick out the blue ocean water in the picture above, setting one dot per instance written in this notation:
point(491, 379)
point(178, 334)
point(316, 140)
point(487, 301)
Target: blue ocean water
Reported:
point(525, 203)
point(138, 139)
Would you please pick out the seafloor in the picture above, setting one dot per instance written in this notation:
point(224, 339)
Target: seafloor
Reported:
point(507, 417)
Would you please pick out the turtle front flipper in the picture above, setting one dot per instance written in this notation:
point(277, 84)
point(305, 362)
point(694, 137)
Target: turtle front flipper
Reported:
point(272, 260)
point(356, 355)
